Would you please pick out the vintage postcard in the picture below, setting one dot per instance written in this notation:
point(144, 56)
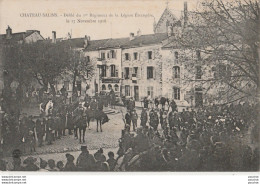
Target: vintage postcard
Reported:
point(121, 86)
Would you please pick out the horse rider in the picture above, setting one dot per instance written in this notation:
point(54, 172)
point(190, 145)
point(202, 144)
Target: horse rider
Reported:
point(93, 106)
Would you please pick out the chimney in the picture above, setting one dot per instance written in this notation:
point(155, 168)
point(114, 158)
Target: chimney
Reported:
point(169, 31)
point(185, 12)
point(53, 36)
point(8, 32)
point(132, 36)
point(86, 41)
point(139, 32)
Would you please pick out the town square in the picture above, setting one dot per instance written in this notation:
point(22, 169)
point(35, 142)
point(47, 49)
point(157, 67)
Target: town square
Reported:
point(181, 97)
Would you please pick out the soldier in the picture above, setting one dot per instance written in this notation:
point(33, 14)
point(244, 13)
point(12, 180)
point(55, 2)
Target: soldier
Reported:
point(87, 101)
point(63, 122)
point(69, 121)
point(40, 130)
point(146, 102)
point(144, 117)
point(49, 130)
point(57, 126)
point(163, 101)
point(93, 107)
point(173, 105)
point(156, 102)
point(134, 118)
point(100, 104)
point(127, 121)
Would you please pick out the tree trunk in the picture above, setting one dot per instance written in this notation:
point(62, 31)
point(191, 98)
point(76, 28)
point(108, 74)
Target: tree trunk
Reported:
point(74, 89)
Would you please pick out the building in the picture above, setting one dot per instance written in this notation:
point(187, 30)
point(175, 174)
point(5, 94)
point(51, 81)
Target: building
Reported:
point(16, 38)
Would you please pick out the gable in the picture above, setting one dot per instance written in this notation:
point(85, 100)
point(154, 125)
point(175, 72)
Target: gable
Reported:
point(167, 16)
point(34, 37)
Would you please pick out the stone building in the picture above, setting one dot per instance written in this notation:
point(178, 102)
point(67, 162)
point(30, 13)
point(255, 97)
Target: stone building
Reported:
point(16, 38)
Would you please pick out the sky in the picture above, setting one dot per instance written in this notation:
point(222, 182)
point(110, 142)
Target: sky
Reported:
point(15, 14)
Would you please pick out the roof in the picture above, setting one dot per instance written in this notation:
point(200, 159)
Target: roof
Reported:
point(15, 37)
point(126, 42)
point(173, 44)
point(166, 12)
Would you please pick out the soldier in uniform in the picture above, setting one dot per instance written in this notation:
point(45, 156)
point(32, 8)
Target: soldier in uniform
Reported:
point(93, 107)
point(134, 118)
point(128, 121)
point(144, 117)
point(69, 121)
point(49, 130)
point(40, 130)
point(173, 105)
point(146, 102)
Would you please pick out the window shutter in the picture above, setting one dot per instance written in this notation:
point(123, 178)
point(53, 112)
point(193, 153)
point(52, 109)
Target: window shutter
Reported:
point(130, 72)
point(153, 54)
point(154, 73)
point(147, 72)
point(138, 55)
point(115, 51)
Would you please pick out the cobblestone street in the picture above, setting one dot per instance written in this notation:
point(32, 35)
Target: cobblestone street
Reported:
point(94, 140)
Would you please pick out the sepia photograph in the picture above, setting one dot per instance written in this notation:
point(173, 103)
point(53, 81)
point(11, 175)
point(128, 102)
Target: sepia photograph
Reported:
point(129, 86)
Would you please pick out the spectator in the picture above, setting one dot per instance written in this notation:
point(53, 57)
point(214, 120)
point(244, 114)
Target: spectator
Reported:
point(111, 161)
point(70, 166)
point(51, 164)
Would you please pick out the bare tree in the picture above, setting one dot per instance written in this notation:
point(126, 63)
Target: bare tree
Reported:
point(227, 36)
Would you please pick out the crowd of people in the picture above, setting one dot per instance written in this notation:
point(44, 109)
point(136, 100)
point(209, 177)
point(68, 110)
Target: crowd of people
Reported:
point(203, 139)
point(85, 162)
point(208, 139)
point(56, 119)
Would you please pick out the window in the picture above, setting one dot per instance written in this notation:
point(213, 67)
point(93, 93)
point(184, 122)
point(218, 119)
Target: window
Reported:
point(109, 86)
point(176, 93)
point(113, 70)
point(176, 55)
point(103, 87)
point(126, 72)
point(150, 54)
point(135, 55)
point(198, 72)
point(116, 72)
point(135, 71)
point(108, 55)
point(78, 87)
point(103, 71)
point(127, 56)
point(198, 54)
point(149, 72)
point(176, 72)
point(113, 54)
point(87, 59)
point(67, 85)
point(116, 87)
point(102, 55)
point(127, 90)
point(150, 91)
point(198, 97)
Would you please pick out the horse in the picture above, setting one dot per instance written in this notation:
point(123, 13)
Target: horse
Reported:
point(99, 115)
point(80, 124)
